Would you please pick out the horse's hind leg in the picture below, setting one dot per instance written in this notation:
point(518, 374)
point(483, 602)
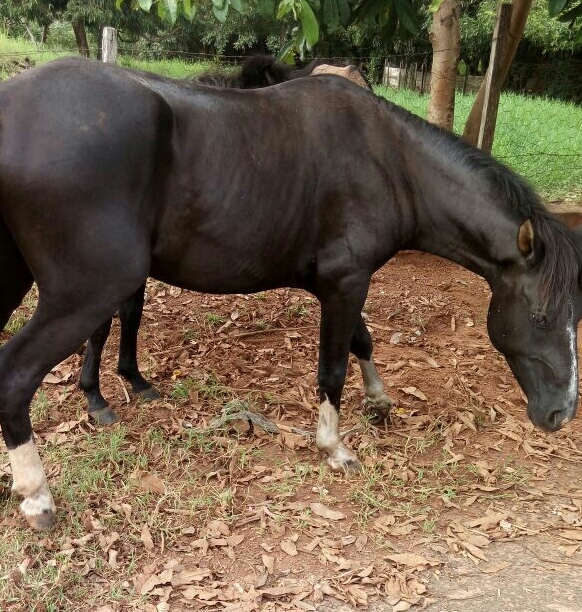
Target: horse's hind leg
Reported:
point(98, 408)
point(15, 277)
point(377, 403)
point(130, 317)
point(55, 331)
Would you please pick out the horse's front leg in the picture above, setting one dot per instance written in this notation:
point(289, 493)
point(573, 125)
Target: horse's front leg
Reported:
point(52, 334)
point(377, 403)
point(340, 313)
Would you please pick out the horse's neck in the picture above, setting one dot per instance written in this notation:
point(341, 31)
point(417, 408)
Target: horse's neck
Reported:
point(461, 223)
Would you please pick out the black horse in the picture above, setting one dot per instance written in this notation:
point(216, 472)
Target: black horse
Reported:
point(256, 72)
point(108, 176)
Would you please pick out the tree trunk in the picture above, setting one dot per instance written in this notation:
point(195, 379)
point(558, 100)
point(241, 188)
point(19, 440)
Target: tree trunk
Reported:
point(521, 9)
point(81, 38)
point(444, 37)
point(45, 31)
point(29, 32)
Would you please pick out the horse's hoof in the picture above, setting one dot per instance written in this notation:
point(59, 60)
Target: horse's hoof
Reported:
point(148, 395)
point(377, 411)
point(353, 466)
point(348, 466)
point(104, 416)
point(41, 522)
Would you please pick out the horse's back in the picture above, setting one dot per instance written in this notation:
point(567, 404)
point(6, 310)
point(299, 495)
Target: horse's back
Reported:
point(255, 181)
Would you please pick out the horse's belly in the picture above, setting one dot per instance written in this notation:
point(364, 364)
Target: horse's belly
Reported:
point(231, 270)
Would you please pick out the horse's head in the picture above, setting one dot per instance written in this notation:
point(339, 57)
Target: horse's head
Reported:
point(532, 320)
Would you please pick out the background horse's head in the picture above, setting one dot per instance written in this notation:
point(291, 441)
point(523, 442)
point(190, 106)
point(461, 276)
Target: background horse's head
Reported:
point(532, 319)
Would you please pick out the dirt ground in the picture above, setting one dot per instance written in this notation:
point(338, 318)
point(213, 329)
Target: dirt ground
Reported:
point(462, 505)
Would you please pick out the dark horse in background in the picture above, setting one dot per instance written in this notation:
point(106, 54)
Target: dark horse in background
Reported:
point(108, 176)
point(256, 72)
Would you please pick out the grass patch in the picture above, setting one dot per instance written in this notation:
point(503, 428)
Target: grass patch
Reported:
point(539, 138)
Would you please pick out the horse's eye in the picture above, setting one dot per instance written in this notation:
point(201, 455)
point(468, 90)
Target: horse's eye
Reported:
point(540, 320)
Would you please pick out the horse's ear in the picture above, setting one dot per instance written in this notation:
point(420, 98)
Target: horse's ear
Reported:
point(525, 238)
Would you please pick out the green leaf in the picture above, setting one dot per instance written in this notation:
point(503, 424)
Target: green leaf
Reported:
point(572, 14)
point(578, 37)
point(171, 7)
point(266, 7)
point(309, 24)
point(368, 10)
point(284, 7)
point(344, 11)
point(238, 5)
point(188, 9)
point(435, 5)
point(555, 7)
point(407, 16)
point(386, 15)
point(286, 53)
point(221, 13)
point(331, 16)
point(118, 4)
point(146, 5)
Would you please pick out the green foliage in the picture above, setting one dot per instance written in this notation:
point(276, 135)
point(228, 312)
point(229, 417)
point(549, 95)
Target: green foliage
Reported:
point(309, 17)
point(539, 138)
point(570, 12)
point(547, 35)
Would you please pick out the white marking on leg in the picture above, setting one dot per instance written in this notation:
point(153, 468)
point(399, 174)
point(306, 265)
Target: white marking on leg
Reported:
point(29, 480)
point(339, 456)
point(573, 385)
point(373, 385)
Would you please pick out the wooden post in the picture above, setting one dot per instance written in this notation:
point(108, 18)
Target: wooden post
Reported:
point(494, 82)
point(109, 45)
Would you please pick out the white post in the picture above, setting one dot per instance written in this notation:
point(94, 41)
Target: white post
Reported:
point(109, 45)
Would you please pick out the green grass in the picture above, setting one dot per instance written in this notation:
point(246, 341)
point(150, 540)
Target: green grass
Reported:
point(175, 68)
point(539, 138)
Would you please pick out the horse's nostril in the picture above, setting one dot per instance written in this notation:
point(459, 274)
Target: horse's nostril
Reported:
point(556, 419)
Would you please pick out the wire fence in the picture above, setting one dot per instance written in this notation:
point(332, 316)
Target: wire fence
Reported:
point(539, 121)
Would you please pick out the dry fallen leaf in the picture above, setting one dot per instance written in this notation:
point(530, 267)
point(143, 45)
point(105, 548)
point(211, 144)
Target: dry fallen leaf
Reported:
point(288, 546)
point(412, 560)
point(414, 392)
point(190, 576)
point(153, 483)
point(327, 513)
point(146, 538)
point(494, 568)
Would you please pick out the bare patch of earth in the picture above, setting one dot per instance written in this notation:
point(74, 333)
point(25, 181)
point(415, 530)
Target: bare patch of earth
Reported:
point(462, 505)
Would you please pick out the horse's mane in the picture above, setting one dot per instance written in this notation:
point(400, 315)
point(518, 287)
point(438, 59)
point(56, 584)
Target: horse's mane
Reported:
point(562, 254)
point(257, 71)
